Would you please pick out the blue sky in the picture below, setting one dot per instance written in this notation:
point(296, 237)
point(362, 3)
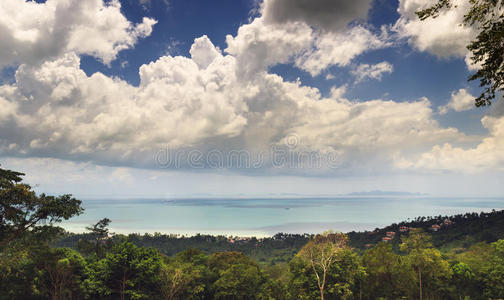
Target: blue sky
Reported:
point(93, 91)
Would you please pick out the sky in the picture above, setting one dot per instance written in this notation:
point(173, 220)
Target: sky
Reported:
point(249, 98)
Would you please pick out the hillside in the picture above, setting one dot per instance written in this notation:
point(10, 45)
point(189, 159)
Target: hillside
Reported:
point(460, 232)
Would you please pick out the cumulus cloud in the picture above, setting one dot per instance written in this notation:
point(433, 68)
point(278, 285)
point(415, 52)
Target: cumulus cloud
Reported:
point(32, 32)
point(364, 71)
point(258, 45)
point(329, 15)
point(461, 100)
point(442, 36)
point(312, 35)
point(56, 110)
point(210, 100)
point(488, 155)
point(339, 49)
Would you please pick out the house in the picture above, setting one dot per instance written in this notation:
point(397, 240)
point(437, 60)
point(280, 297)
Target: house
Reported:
point(386, 239)
point(403, 228)
point(390, 234)
point(435, 227)
point(448, 222)
point(368, 245)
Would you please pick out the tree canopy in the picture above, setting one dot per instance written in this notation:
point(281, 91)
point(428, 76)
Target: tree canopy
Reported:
point(22, 211)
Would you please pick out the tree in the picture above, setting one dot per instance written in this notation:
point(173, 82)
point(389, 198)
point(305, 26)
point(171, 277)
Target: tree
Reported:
point(59, 273)
point(237, 276)
point(99, 232)
point(388, 276)
point(425, 259)
point(127, 271)
point(16, 274)
point(185, 277)
point(463, 279)
point(321, 253)
point(494, 277)
point(23, 212)
point(488, 47)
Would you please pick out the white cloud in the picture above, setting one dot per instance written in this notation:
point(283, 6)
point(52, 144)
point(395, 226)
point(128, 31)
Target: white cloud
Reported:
point(258, 45)
point(56, 110)
point(33, 32)
point(364, 71)
point(461, 100)
point(339, 49)
point(210, 100)
point(442, 36)
point(203, 52)
point(488, 155)
point(310, 35)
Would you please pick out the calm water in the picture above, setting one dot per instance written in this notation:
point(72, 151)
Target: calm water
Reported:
point(264, 217)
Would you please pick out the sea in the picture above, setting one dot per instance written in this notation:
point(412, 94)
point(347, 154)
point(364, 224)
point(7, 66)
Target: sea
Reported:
point(262, 217)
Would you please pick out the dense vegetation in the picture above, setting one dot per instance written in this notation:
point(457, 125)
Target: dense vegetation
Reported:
point(463, 258)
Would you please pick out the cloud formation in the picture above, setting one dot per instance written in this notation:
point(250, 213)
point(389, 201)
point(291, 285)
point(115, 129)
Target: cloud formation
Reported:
point(57, 110)
point(442, 36)
point(460, 100)
point(487, 155)
point(225, 100)
point(32, 32)
point(365, 71)
point(259, 45)
point(339, 49)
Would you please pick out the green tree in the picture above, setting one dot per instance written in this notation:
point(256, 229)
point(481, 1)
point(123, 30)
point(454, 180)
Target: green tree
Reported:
point(327, 261)
point(99, 243)
point(23, 213)
point(494, 272)
point(487, 16)
point(17, 274)
point(237, 276)
point(388, 275)
point(59, 273)
point(127, 271)
point(186, 276)
point(427, 261)
point(463, 280)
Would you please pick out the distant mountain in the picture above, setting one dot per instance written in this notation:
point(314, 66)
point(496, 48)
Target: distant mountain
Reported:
point(385, 193)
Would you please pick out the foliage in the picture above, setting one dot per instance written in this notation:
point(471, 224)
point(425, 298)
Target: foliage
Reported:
point(326, 265)
point(127, 271)
point(426, 261)
point(466, 229)
point(494, 269)
point(237, 276)
point(278, 249)
point(388, 273)
point(290, 266)
point(23, 213)
point(59, 273)
point(97, 242)
point(186, 276)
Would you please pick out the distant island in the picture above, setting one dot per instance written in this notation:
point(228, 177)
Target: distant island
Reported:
point(385, 193)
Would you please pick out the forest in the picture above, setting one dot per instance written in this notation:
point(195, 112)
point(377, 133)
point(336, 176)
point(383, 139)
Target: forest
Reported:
point(442, 257)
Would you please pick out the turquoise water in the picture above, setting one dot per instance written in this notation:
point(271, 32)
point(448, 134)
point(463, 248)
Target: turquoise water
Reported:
point(265, 217)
